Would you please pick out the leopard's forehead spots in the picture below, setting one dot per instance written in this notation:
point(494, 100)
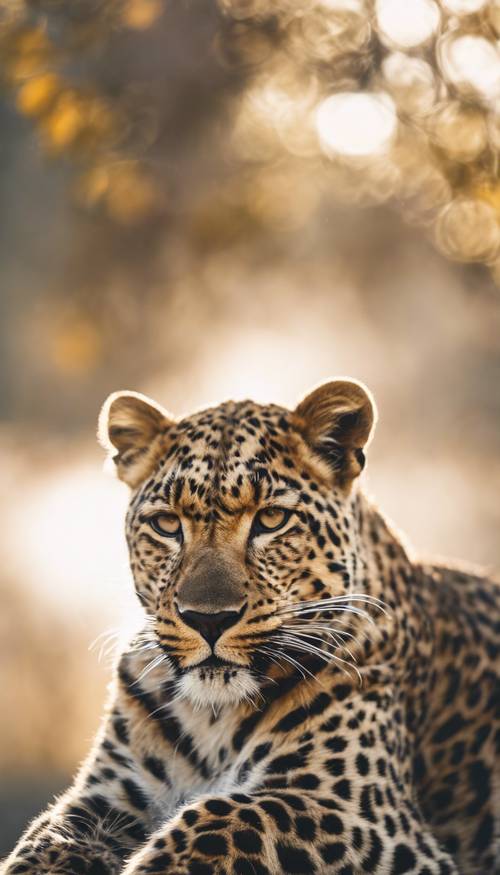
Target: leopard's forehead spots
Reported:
point(234, 432)
point(231, 455)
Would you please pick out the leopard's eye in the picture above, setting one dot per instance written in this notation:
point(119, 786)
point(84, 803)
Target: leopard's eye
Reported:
point(270, 519)
point(167, 524)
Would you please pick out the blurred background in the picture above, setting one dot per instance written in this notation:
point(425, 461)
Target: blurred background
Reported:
point(202, 200)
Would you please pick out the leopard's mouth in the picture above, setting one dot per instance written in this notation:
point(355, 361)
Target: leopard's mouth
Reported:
point(214, 662)
point(215, 682)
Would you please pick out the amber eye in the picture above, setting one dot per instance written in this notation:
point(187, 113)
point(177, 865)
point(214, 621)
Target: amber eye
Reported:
point(167, 524)
point(270, 519)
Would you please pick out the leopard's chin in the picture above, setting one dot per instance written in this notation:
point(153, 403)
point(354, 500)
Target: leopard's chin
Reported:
point(213, 684)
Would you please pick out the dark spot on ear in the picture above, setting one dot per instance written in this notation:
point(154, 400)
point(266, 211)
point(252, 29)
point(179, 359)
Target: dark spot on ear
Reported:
point(348, 421)
point(120, 431)
point(360, 457)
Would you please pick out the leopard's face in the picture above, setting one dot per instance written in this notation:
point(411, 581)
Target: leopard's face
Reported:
point(239, 524)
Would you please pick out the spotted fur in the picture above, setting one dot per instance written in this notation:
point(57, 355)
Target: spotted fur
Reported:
point(347, 718)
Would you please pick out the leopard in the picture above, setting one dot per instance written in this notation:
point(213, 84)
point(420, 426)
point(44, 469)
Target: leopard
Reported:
point(304, 695)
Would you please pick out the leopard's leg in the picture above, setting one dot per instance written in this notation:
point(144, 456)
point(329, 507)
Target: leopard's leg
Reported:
point(112, 807)
point(326, 789)
point(271, 833)
point(101, 819)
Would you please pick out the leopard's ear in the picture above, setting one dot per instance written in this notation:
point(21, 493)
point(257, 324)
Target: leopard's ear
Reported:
point(336, 421)
point(131, 428)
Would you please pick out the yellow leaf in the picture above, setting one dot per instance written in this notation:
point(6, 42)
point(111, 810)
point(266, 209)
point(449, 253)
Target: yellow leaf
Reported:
point(75, 347)
point(64, 123)
point(141, 14)
point(37, 94)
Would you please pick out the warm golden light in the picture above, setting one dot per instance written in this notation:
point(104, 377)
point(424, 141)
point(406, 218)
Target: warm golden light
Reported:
point(141, 14)
point(433, 64)
point(72, 507)
point(410, 81)
point(472, 64)
point(329, 29)
point(409, 23)
point(266, 365)
point(74, 347)
point(464, 7)
point(460, 130)
point(37, 93)
point(469, 229)
point(356, 125)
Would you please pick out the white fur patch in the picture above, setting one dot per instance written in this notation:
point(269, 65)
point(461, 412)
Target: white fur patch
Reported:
point(204, 688)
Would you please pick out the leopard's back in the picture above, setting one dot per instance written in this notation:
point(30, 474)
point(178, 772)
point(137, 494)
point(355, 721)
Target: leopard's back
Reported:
point(457, 762)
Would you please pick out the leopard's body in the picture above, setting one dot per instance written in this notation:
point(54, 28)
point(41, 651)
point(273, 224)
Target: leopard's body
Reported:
point(347, 721)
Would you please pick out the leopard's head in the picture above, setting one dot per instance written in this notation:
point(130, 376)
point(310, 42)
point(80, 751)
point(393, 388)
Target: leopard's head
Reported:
point(241, 519)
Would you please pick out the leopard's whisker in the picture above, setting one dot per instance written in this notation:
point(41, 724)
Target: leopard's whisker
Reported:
point(308, 648)
point(340, 603)
point(305, 648)
point(320, 652)
point(299, 643)
point(301, 668)
point(157, 661)
point(328, 629)
point(107, 641)
point(260, 675)
point(323, 608)
point(324, 605)
point(267, 655)
point(306, 631)
point(338, 643)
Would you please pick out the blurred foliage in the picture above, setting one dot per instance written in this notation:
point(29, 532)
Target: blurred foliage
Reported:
point(182, 129)
point(431, 146)
point(186, 129)
point(44, 47)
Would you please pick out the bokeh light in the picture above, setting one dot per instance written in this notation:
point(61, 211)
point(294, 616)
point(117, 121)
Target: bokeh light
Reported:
point(460, 130)
point(407, 24)
point(469, 229)
point(328, 31)
point(472, 64)
point(346, 78)
point(356, 125)
point(464, 7)
point(410, 82)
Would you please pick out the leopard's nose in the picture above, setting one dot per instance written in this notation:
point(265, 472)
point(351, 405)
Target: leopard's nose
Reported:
point(210, 626)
